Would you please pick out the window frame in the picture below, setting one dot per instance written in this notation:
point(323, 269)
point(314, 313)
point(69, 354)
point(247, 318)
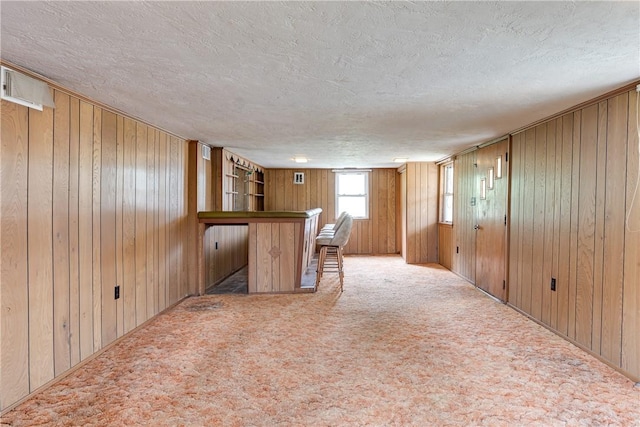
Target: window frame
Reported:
point(444, 194)
point(365, 195)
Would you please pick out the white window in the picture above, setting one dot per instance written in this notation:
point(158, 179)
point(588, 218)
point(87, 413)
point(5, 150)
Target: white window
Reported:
point(352, 193)
point(446, 193)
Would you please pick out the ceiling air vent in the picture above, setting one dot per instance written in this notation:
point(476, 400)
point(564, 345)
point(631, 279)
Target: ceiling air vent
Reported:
point(24, 90)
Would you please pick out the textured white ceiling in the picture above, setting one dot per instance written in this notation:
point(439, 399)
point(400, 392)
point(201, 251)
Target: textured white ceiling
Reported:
point(346, 84)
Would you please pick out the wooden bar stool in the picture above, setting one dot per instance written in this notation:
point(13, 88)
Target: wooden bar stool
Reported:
point(331, 244)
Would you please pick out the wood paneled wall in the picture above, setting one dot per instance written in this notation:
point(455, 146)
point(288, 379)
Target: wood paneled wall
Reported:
point(445, 247)
point(573, 183)
point(422, 213)
point(89, 200)
point(376, 235)
point(224, 247)
point(225, 251)
point(464, 216)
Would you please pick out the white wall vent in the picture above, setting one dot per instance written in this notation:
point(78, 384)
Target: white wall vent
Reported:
point(24, 90)
point(298, 177)
point(206, 152)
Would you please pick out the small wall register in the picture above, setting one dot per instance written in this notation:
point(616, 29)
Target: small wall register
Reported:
point(298, 177)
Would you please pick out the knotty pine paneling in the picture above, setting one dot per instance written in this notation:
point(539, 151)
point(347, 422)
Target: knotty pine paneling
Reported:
point(89, 200)
point(582, 169)
point(376, 235)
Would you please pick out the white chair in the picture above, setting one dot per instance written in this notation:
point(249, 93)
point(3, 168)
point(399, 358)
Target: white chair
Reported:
point(331, 227)
point(332, 244)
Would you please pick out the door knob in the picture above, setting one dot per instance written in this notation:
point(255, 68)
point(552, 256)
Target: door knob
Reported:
point(476, 227)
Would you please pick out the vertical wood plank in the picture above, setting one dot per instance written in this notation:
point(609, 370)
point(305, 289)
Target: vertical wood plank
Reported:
point(128, 289)
point(556, 220)
point(614, 255)
point(40, 252)
point(549, 215)
point(432, 211)
point(278, 263)
point(586, 225)
point(374, 201)
point(515, 259)
point(188, 255)
point(150, 223)
point(14, 286)
point(97, 236)
point(562, 285)
point(601, 179)
point(108, 189)
point(527, 232)
point(287, 244)
point(392, 216)
point(85, 229)
point(573, 242)
point(174, 284)
point(74, 223)
point(157, 224)
point(120, 194)
point(264, 260)
point(538, 219)
point(61, 265)
point(411, 213)
point(162, 221)
point(631, 286)
point(141, 224)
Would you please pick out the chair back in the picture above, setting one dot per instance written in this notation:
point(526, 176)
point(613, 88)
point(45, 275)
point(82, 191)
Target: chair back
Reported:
point(342, 233)
point(340, 219)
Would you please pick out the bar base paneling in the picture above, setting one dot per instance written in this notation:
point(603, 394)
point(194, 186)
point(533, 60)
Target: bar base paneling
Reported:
point(280, 247)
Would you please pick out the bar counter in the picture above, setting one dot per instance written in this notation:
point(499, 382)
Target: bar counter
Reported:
point(281, 247)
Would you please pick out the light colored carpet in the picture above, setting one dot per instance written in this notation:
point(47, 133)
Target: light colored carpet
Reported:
point(403, 345)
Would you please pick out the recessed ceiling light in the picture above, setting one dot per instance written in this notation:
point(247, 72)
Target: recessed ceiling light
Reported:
point(300, 159)
point(400, 159)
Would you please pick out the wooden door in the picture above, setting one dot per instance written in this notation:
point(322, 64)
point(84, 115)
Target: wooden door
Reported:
point(491, 218)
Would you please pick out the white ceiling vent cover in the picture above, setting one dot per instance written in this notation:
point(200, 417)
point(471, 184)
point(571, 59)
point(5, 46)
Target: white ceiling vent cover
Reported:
point(25, 90)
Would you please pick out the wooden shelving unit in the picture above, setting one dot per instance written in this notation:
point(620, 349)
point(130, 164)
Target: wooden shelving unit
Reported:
point(242, 184)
